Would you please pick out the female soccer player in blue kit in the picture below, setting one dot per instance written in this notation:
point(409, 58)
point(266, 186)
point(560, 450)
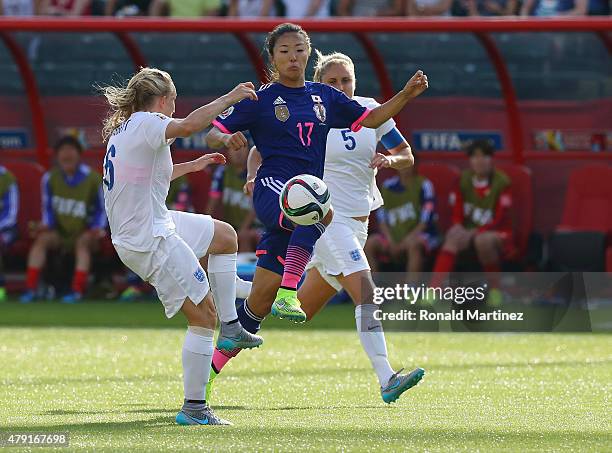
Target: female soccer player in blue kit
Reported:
point(289, 123)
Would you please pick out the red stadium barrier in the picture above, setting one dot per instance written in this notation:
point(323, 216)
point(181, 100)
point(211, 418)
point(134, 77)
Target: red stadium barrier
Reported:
point(480, 27)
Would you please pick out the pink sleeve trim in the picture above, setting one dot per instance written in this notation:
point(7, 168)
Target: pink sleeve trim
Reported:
point(221, 127)
point(357, 124)
point(215, 195)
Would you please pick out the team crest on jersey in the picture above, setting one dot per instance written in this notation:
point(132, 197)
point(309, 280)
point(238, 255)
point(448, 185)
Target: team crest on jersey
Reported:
point(320, 111)
point(199, 275)
point(227, 112)
point(318, 107)
point(282, 112)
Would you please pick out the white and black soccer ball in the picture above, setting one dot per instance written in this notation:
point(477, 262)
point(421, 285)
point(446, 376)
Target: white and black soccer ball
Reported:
point(305, 200)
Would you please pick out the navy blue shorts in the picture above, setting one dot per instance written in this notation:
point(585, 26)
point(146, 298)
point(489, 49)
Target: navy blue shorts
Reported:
point(272, 246)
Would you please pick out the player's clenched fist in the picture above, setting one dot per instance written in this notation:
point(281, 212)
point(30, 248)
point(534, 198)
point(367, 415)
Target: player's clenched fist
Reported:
point(416, 85)
point(234, 142)
point(245, 90)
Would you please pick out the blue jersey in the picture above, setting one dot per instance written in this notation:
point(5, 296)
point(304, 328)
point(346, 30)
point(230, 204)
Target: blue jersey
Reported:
point(289, 125)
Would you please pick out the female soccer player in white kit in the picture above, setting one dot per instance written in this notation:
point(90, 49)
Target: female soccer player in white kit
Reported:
point(164, 247)
point(351, 163)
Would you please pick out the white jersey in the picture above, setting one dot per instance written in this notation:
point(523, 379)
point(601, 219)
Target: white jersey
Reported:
point(137, 172)
point(351, 182)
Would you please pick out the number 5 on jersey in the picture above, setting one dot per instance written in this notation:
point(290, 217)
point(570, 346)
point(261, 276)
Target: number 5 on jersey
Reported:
point(109, 170)
point(349, 140)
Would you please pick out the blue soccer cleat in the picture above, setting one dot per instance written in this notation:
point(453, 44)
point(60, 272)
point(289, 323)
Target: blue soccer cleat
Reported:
point(203, 417)
point(72, 298)
point(399, 383)
point(28, 297)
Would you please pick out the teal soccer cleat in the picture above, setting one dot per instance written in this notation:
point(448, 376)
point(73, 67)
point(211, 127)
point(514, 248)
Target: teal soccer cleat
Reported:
point(203, 417)
point(399, 383)
point(240, 340)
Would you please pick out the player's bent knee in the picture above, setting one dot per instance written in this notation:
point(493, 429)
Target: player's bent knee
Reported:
point(485, 241)
point(83, 243)
point(225, 239)
point(414, 243)
point(455, 232)
point(415, 252)
point(451, 242)
point(43, 240)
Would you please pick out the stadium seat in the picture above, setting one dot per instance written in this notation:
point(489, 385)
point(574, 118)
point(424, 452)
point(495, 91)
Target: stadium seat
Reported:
point(588, 201)
point(580, 241)
point(522, 196)
point(445, 179)
point(28, 176)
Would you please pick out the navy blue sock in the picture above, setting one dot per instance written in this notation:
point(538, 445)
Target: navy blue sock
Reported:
point(250, 321)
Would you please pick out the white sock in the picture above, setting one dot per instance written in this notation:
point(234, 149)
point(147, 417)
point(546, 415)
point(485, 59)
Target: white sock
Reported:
point(373, 341)
point(222, 277)
point(243, 288)
point(197, 356)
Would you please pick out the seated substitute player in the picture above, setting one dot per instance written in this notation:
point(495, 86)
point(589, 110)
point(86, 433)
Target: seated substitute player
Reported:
point(164, 247)
point(406, 222)
point(351, 164)
point(226, 189)
point(481, 218)
point(9, 208)
point(73, 218)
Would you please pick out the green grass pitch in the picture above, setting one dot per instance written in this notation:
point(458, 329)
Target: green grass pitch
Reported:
point(88, 370)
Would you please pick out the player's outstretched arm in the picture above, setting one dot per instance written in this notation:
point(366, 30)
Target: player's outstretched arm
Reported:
point(198, 164)
point(203, 116)
point(415, 86)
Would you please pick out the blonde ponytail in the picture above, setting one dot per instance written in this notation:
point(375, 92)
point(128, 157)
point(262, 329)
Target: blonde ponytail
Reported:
point(139, 94)
point(324, 61)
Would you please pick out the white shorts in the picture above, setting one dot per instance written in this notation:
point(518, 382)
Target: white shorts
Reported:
point(339, 251)
point(197, 230)
point(173, 268)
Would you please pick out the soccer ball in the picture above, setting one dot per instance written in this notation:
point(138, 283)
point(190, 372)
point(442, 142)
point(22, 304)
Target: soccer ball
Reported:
point(305, 200)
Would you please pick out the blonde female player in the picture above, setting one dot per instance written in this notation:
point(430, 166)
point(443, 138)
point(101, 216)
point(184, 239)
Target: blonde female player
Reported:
point(164, 247)
point(351, 163)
